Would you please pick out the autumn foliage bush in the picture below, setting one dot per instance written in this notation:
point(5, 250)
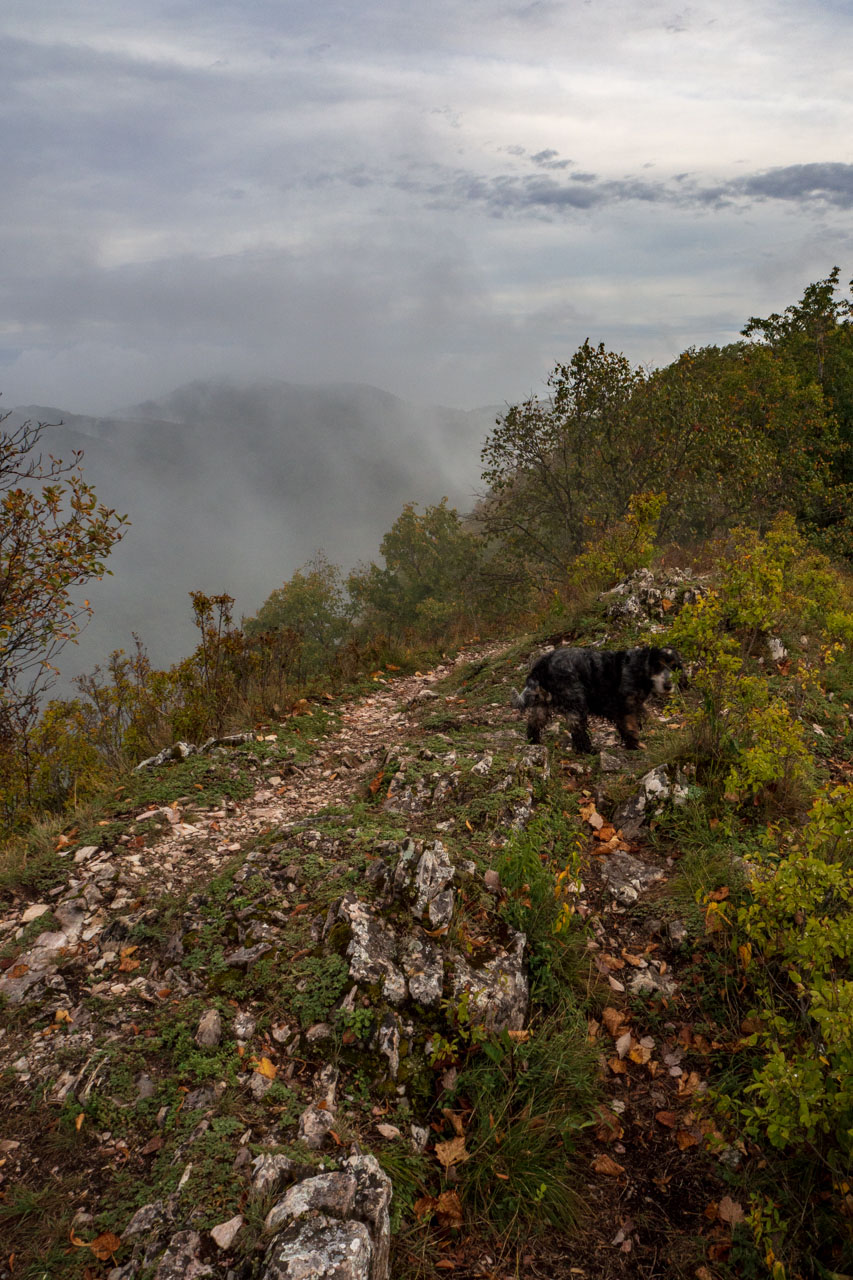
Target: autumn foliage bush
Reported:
point(748, 742)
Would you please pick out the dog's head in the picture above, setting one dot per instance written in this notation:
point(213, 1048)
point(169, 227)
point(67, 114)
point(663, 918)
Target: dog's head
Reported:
point(661, 664)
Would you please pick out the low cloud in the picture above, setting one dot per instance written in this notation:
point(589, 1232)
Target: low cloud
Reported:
point(806, 185)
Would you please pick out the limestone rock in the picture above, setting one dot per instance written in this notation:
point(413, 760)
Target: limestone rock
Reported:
point(223, 1235)
point(388, 1042)
point(627, 877)
point(34, 912)
point(432, 879)
point(655, 790)
point(424, 969)
point(209, 1031)
point(245, 957)
point(181, 1261)
point(372, 948)
point(269, 1171)
point(330, 1193)
point(316, 1120)
point(335, 1226)
point(322, 1249)
point(147, 1220)
point(35, 968)
point(498, 991)
point(650, 982)
point(645, 596)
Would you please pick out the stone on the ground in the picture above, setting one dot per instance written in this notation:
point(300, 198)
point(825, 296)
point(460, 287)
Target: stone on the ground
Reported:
point(182, 1260)
point(36, 969)
point(334, 1226)
point(424, 969)
point(498, 990)
point(655, 789)
point(650, 982)
point(34, 912)
point(318, 1119)
point(224, 1235)
point(244, 1025)
point(269, 1171)
point(432, 880)
point(209, 1031)
point(627, 877)
point(322, 1249)
point(147, 1220)
point(372, 948)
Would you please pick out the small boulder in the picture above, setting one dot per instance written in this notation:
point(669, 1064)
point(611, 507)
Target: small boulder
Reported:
point(209, 1031)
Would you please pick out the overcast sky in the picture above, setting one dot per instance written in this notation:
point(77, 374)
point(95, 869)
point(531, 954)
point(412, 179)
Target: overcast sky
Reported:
point(440, 198)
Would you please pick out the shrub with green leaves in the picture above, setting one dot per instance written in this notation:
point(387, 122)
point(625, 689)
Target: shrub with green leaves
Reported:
point(619, 549)
point(794, 943)
point(748, 744)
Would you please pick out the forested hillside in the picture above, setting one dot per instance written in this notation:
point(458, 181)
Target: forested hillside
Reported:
point(311, 965)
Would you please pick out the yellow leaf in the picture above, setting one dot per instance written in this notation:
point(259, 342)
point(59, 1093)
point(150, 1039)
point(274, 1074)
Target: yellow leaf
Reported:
point(266, 1068)
point(78, 1123)
point(451, 1152)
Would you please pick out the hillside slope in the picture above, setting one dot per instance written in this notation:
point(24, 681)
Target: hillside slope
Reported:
point(279, 953)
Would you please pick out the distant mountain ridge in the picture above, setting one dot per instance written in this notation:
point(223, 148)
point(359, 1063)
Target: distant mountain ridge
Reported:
point(231, 487)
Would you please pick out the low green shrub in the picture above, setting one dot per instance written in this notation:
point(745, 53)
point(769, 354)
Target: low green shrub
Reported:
point(794, 943)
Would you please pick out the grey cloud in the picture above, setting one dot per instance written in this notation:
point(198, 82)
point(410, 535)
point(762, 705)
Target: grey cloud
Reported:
point(801, 183)
point(804, 184)
point(549, 159)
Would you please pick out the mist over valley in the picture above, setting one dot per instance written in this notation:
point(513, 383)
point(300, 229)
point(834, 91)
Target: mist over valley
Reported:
point(231, 487)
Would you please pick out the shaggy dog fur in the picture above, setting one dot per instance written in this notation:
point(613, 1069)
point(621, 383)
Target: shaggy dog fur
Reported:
point(579, 683)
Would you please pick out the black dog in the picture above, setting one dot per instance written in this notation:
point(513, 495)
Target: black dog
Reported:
point(600, 682)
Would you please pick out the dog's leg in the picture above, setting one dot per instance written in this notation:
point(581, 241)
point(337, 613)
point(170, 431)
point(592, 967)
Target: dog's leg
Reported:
point(629, 730)
point(579, 729)
point(537, 719)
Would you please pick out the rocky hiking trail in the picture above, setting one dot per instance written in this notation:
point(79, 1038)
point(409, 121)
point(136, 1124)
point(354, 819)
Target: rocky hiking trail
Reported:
point(234, 1023)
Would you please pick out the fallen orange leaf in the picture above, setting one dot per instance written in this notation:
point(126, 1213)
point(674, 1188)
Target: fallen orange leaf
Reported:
point(451, 1152)
point(105, 1245)
point(613, 1019)
point(449, 1209)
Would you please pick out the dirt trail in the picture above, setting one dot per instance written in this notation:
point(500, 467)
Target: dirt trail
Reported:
point(372, 726)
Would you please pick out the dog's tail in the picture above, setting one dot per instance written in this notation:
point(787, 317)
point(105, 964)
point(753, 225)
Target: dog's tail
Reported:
point(528, 697)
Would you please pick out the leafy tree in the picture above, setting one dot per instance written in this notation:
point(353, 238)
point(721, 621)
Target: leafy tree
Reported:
point(54, 537)
point(434, 575)
point(554, 467)
point(817, 330)
point(313, 607)
point(814, 338)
